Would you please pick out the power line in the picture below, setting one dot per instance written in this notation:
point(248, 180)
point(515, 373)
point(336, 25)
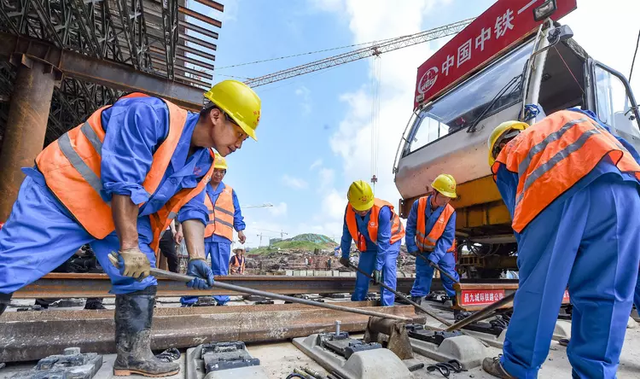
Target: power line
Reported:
point(366, 52)
point(303, 54)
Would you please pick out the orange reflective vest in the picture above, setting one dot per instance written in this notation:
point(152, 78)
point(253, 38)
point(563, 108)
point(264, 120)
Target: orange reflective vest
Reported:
point(71, 168)
point(220, 214)
point(397, 230)
point(427, 242)
point(237, 265)
point(553, 155)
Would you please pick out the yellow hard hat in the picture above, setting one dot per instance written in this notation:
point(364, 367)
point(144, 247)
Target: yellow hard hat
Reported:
point(446, 185)
point(238, 101)
point(499, 133)
point(360, 196)
point(220, 162)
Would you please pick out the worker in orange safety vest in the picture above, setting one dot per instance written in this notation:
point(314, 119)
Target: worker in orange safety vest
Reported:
point(115, 182)
point(237, 262)
point(377, 232)
point(225, 216)
point(572, 190)
point(431, 232)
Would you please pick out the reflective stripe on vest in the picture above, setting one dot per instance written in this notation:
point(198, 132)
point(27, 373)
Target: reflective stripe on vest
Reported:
point(220, 214)
point(427, 242)
point(71, 168)
point(397, 230)
point(553, 155)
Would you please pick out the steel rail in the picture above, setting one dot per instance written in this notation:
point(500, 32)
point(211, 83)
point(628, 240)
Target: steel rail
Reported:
point(62, 285)
point(28, 336)
point(158, 273)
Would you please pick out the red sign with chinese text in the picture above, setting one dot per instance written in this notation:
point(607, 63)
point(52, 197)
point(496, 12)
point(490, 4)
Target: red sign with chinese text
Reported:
point(480, 297)
point(500, 27)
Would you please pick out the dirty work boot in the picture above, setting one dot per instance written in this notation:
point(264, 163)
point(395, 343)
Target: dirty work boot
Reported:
point(5, 299)
point(418, 300)
point(134, 312)
point(458, 314)
point(492, 366)
point(94, 303)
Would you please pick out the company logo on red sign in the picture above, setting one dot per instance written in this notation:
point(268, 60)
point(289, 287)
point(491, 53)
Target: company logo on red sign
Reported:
point(498, 28)
point(480, 297)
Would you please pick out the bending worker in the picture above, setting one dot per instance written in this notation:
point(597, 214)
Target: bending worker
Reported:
point(431, 229)
point(572, 191)
point(225, 215)
point(377, 232)
point(115, 182)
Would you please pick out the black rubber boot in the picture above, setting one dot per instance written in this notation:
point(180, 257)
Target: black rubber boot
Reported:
point(5, 299)
point(134, 313)
point(458, 315)
point(94, 303)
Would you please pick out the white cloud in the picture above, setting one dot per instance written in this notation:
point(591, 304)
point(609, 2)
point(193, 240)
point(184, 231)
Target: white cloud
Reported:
point(292, 182)
point(327, 178)
point(305, 94)
point(374, 20)
point(608, 32)
point(334, 6)
point(278, 209)
point(316, 164)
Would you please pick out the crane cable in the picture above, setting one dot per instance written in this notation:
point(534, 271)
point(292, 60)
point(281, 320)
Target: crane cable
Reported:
point(375, 116)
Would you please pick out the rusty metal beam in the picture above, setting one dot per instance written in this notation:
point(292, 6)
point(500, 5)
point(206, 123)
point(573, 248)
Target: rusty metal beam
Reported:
point(198, 29)
point(104, 72)
point(25, 338)
point(26, 126)
point(212, 4)
point(200, 17)
point(60, 285)
point(198, 41)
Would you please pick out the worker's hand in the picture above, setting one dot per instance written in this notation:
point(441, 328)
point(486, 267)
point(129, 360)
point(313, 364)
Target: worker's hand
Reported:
point(377, 277)
point(345, 261)
point(241, 237)
point(178, 237)
point(203, 276)
point(131, 262)
point(414, 253)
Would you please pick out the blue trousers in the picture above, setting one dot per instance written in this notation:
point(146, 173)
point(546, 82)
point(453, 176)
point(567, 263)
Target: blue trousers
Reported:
point(367, 264)
point(41, 234)
point(424, 275)
point(220, 252)
point(590, 244)
point(636, 295)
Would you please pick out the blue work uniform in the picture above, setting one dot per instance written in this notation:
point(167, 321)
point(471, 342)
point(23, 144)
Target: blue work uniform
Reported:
point(586, 240)
point(218, 247)
point(439, 256)
point(41, 233)
point(381, 256)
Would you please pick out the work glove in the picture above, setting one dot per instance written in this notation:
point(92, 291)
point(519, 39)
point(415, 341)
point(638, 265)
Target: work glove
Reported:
point(377, 277)
point(131, 262)
point(203, 276)
point(414, 253)
point(345, 261)
point(433, 260)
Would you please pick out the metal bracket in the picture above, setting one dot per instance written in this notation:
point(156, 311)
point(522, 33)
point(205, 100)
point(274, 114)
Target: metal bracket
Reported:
point(390, 333)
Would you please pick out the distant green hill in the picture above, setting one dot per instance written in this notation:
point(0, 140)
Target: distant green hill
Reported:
point(305, 242)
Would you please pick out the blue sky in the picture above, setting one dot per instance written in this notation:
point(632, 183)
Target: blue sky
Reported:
point(315, 130)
